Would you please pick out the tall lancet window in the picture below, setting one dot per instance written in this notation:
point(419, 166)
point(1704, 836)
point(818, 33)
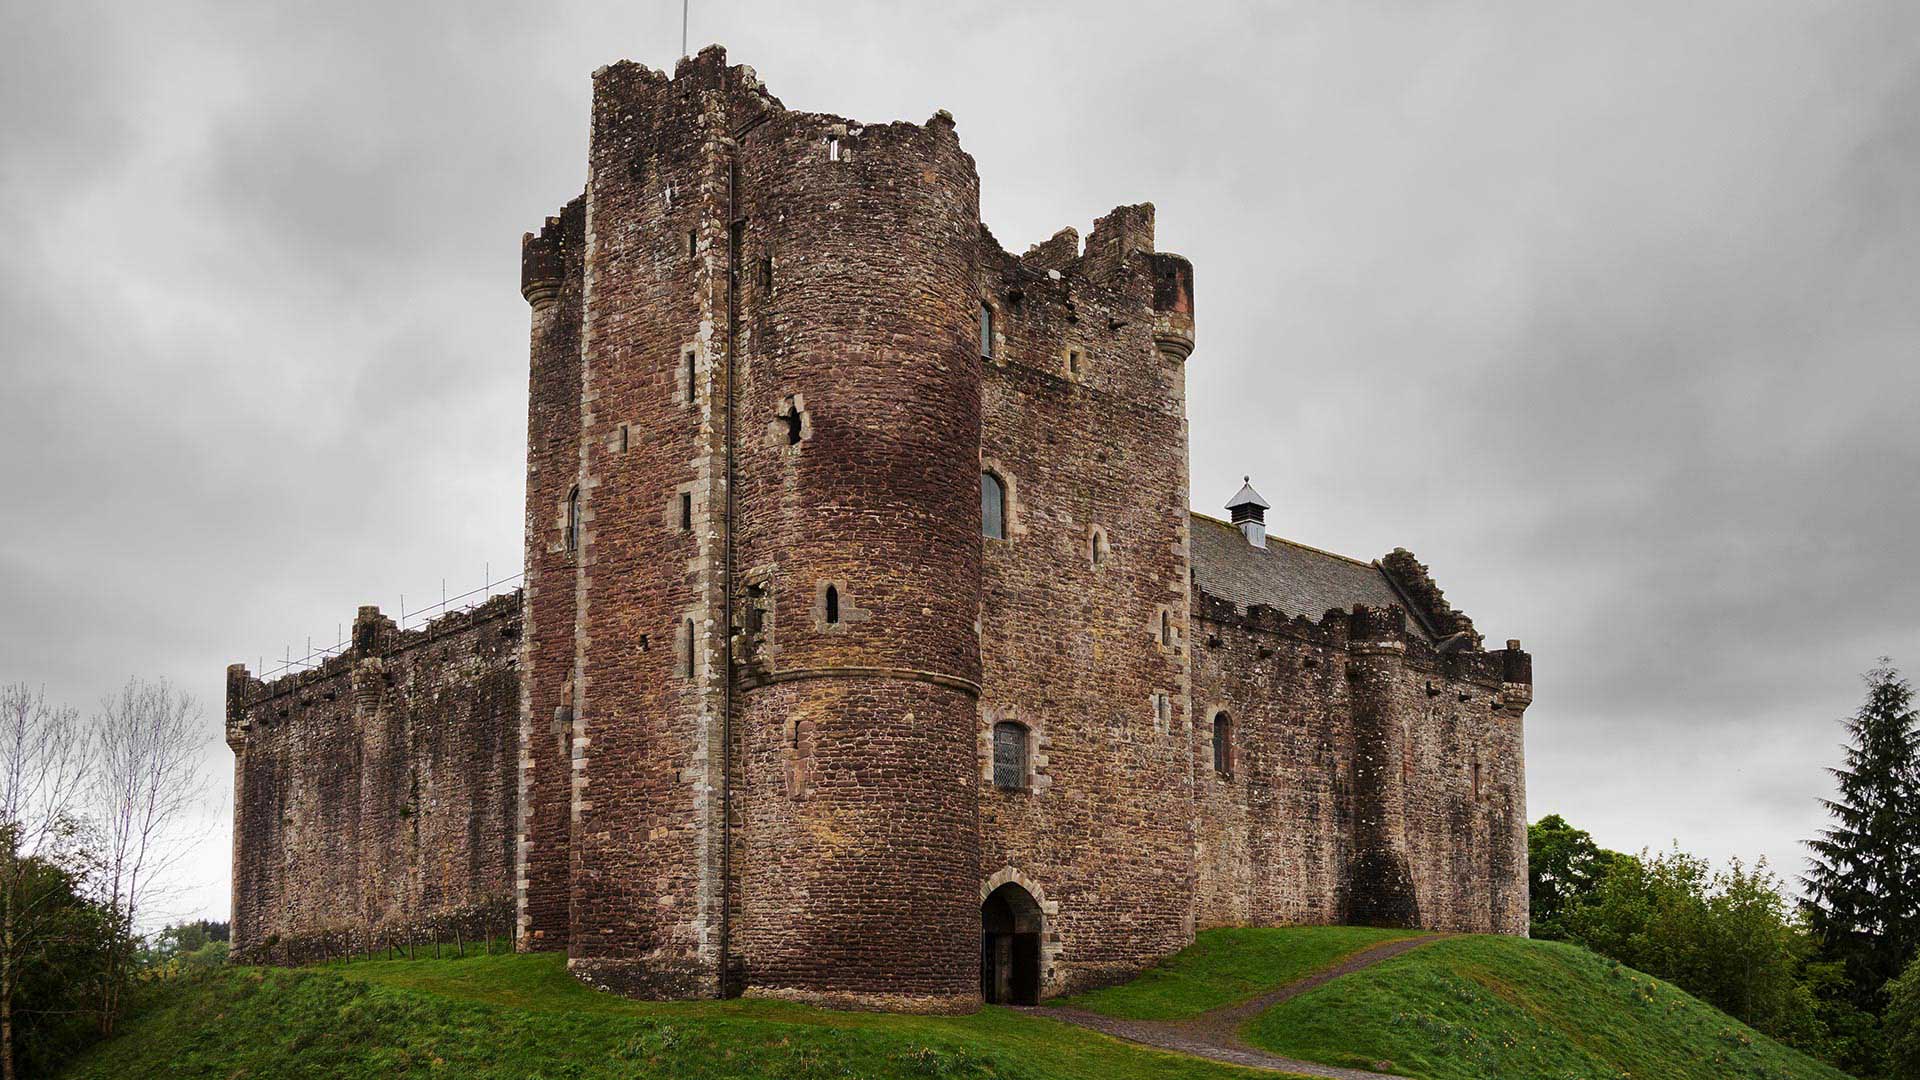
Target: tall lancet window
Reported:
point(993, 506)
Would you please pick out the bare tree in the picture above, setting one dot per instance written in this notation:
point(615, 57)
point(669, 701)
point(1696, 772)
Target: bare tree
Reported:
point(45, 755)
point(147, 738)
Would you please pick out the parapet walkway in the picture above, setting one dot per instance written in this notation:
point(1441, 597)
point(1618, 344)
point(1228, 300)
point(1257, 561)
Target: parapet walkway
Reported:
point(1216, 1035)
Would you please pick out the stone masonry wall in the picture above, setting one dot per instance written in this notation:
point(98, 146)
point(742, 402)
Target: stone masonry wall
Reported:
point(551, 275)
point(858, 423)
point(374, 796)
point(1085, 424)
point(1432, 779)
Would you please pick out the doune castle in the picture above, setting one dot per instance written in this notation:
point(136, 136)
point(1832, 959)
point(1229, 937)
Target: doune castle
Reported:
point(868, 652)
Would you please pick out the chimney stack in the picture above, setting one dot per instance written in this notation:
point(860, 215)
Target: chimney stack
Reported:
point(1249, 512)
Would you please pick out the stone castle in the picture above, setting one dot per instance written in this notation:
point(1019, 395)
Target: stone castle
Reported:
point(868, 652)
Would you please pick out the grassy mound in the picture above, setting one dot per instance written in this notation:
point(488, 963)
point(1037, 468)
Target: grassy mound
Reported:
point(1227, 966)
point(1472, 1007)
point(524, 1018)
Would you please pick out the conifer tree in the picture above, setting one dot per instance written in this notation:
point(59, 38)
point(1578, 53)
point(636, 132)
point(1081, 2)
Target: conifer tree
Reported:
point(1863, 885)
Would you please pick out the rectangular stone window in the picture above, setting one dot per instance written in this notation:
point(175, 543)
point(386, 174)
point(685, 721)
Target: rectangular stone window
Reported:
point(688, 364)
point(1009, 756)
point(686, 511)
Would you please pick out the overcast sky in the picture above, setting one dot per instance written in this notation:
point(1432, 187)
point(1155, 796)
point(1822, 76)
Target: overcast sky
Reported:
point(1606, 310)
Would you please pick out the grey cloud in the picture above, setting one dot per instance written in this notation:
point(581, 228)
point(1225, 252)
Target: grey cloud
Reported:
point(1605, 311)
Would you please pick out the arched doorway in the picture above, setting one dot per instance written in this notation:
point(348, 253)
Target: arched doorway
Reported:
point(1010, 947)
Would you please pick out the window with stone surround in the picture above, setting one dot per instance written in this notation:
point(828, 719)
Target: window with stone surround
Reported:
point(687, 658)
point(833, 604)
point(986, 330)
point(571, 535)
point(689, 360)
point(1010, 756)
point(1097, 547)
point(993, 506)
point(686, 511)
point(1223, 744)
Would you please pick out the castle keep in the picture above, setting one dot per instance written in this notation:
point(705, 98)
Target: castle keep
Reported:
point(868, 651)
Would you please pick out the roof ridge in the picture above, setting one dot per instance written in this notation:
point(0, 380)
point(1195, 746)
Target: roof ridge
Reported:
point(1373, 564)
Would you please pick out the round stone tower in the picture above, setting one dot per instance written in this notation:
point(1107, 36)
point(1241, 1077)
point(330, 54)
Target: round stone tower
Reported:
point(856, 562)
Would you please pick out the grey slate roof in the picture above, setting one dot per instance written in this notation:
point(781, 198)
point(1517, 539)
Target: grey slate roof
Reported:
point(1290, 577)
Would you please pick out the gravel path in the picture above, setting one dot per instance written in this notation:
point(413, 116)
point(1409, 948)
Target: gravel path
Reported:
point(1216, 1035)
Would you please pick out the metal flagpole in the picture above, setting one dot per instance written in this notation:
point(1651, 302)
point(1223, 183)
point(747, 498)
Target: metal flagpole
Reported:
point(684, 4)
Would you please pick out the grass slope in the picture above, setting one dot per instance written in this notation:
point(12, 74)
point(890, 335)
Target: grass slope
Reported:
point(524, 1018)
point(1472, 1007)
point(1226, 966)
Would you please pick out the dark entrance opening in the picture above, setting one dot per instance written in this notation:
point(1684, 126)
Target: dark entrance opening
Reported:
point(1010, 947)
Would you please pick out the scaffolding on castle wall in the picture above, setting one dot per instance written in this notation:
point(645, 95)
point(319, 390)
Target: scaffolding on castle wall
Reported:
point(405, 620)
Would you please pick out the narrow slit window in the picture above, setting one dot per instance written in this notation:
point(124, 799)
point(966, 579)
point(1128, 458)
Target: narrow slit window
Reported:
point(572, 533)
point(687, 362)
point(986, 330)
point(766, 273)
point(794, 428)
point(1476, 780)
point(1009, 756)
point(833, 607)
point(693, 243)
point(993, 507)
point(686, 511)
point(1166, 628)
point(1223, 744)
point(686, 649)
point(623, 438)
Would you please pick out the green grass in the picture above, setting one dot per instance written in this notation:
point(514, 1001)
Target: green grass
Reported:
point(524, 1018)
point(1227, 966)
point(1472, 1007)
point(1461, 1008)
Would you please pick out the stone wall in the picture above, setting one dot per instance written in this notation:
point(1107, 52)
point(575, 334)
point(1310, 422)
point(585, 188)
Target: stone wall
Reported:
point(552, 280)
point(1372, 779)
point(857, 418)
point(374, 796)
point(1085, 425)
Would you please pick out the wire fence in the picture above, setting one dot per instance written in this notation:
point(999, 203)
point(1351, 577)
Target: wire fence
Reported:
point(290, 664)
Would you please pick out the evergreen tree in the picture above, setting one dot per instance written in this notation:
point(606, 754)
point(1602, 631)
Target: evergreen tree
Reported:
point(1863, 885)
